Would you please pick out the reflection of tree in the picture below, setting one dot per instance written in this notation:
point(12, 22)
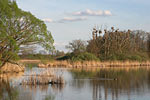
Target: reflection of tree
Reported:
point(57, 87)
point(128, 81)
point(23, 92)
point(148, 79)
point(79, 75)
point(36, 87)
point(38, 92)
point(78, 83)
point(7, 92)
point(49, 98)
point(44, 88)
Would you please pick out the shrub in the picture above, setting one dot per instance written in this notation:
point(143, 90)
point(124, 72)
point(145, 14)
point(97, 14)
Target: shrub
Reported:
point(79, 57)
point(123, 57)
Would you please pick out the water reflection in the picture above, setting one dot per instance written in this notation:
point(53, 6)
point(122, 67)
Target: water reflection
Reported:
point(129, 82)
point(10, 88)
point(89, 84)
point(41, 91)
point(7, 91)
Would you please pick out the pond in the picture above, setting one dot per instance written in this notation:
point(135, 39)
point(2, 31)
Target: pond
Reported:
point(100, 84)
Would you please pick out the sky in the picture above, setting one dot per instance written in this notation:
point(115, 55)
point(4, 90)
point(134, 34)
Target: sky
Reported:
point(74, 19)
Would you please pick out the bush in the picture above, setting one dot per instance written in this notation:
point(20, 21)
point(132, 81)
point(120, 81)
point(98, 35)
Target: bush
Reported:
point(123, 57)
point(79, 57)
point(84, 57)
point(66, 57)
point(135, 58)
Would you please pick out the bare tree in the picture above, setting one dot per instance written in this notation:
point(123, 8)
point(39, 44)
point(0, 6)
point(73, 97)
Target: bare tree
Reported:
point(77, 46)
point(114, 42)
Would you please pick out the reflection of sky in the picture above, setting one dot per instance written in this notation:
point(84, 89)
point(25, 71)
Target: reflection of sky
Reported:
point(70, 19)
point(88, 89)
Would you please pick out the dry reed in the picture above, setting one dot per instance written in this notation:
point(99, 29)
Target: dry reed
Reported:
point(11, 68)
point(43, 78)
point(88, 64)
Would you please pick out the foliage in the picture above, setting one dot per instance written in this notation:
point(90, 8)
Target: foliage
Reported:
point(112, 45)
point(27, 50)
point(20, 28)
point(119, 45)
point(36, 56)
point(84, 57)
point(79, 57)
point(58, 54)
point(77, 46)
point(125, 57)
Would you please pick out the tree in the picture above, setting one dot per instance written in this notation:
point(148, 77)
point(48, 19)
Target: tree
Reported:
point(19, 28)
point(116, 44)
point(59, 53)
point(77, 46)
point(26, 50)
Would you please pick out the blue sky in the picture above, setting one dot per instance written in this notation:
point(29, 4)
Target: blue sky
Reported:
point(74, 19)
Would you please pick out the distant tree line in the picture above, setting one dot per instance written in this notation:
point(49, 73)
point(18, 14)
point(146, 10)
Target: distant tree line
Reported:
point(119, 45)
point(114, 44)
point(41, 55)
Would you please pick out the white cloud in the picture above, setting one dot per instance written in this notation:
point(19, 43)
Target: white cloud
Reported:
point(48, 20)
point(71, 19)
point(107, 13)
point(65, 19)
point(89, 12)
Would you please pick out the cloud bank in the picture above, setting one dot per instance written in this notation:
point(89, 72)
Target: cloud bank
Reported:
point(65, 19)
point(82, 15)
point(89, 12)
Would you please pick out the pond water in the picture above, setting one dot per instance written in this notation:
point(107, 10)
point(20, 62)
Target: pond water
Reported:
point(102, 84)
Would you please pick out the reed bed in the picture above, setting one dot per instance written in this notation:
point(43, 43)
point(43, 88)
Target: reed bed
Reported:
point(12, 68)
point(42, 78)
point(92, 64)
point(29, 61)
point(35, 88)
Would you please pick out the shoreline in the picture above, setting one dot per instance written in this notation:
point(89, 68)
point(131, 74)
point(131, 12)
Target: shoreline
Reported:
point(29, 61)
point(86, 64)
